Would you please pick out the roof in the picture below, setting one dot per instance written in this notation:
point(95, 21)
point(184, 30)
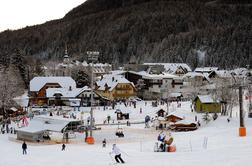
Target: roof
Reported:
point(185, 122)
point(146, 75)
point(240, 72)
point(38, 82)
point(206, 99)
point(112, 81)
point(172, 67)
point(196, 74)
point(175, 94)
point(175, 114)
point(65, 92)
point(206, 69)
point(49, 123)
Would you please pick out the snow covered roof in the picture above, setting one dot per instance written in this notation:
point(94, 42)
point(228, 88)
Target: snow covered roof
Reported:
point(240, 72)
point(193, 74)
point(42, 123)
point(117, 72)
point(38, 82)
point(175, 114)
point(206, 69)
point(146, 75)
point(66, 92)
point(185, 122)
point(223, 73)
point(206, 99)
point(112, 81)
point(172, 67)
point(175, 94)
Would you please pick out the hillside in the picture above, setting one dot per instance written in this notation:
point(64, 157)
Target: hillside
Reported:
point(152, 30)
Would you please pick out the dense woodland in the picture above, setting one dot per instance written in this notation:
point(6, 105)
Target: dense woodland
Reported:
point(151, 30)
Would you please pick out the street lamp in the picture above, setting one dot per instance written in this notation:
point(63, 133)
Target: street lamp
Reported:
point(92, 56)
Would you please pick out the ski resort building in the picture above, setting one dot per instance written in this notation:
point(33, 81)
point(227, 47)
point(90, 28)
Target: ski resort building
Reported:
point(39, 85)
point(205, 103)
point(43, 128)
point(115, 87)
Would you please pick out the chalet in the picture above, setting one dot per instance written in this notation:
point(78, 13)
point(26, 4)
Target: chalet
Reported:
point(39, 85)
point(71, 97)
point(115, 87)
point(205, 103)
point(178, 69)
point(150, 86)
point(184, 125)
point(196, 79)
point(173, 118)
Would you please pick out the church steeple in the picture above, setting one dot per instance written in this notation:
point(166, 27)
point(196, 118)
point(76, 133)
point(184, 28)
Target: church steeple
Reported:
point(66, 57)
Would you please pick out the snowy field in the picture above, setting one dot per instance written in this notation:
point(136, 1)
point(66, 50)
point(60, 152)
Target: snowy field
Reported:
point(224, 146)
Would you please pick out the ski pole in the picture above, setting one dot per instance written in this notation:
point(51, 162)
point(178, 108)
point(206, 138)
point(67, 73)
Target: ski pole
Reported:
point(125, 153)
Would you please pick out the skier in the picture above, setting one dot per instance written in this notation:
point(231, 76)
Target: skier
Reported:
point(63, 147)
point(104, 143)
point(117, 153)
point(24, 147)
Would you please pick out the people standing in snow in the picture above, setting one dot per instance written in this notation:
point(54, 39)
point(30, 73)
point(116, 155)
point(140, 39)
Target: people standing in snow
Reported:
point(63, 147)
point(24, 147)
point(117, 152)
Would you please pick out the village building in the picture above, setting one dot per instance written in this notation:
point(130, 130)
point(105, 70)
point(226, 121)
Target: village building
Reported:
point(205, 103)
point(45, 128)
point(205, 69)
point(39, 85)
point(115, 87)
point(178, 69)
point(150, 85)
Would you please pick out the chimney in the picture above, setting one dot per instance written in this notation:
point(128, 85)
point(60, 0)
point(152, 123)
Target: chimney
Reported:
point(70, 88)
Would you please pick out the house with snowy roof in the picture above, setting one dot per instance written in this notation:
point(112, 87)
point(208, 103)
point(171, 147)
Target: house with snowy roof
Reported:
point(196, 79)
point(178, 69)
point(206, 103)
point(115, 87)
point(150, 85)
point(39, 85)
point(71, 97)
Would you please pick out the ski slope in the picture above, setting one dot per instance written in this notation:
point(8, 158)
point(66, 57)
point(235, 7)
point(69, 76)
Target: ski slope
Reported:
point(224, 146)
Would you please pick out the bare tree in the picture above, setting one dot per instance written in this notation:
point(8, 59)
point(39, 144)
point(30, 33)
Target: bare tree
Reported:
point(11, 85)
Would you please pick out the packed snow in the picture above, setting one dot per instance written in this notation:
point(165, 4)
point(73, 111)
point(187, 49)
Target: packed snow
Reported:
point(214, 143)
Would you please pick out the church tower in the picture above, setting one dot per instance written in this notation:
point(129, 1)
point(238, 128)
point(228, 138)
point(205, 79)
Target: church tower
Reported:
point(66, 57)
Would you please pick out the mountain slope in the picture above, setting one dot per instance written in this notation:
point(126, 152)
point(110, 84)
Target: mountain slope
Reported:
point(152, 30)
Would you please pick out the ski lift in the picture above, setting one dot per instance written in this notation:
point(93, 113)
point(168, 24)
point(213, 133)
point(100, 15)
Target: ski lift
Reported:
point(119, 132)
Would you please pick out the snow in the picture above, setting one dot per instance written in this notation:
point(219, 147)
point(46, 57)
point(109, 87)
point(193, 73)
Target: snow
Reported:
point(112, 81)
point(65, 92)
point(147, 75)
point(38, 82)
point(42, 122)
point(206, 99)
point(224, 146)
point(206, 69)
point(172, 67)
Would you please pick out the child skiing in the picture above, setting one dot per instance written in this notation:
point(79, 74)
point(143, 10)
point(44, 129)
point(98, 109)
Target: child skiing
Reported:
point(117, 153)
